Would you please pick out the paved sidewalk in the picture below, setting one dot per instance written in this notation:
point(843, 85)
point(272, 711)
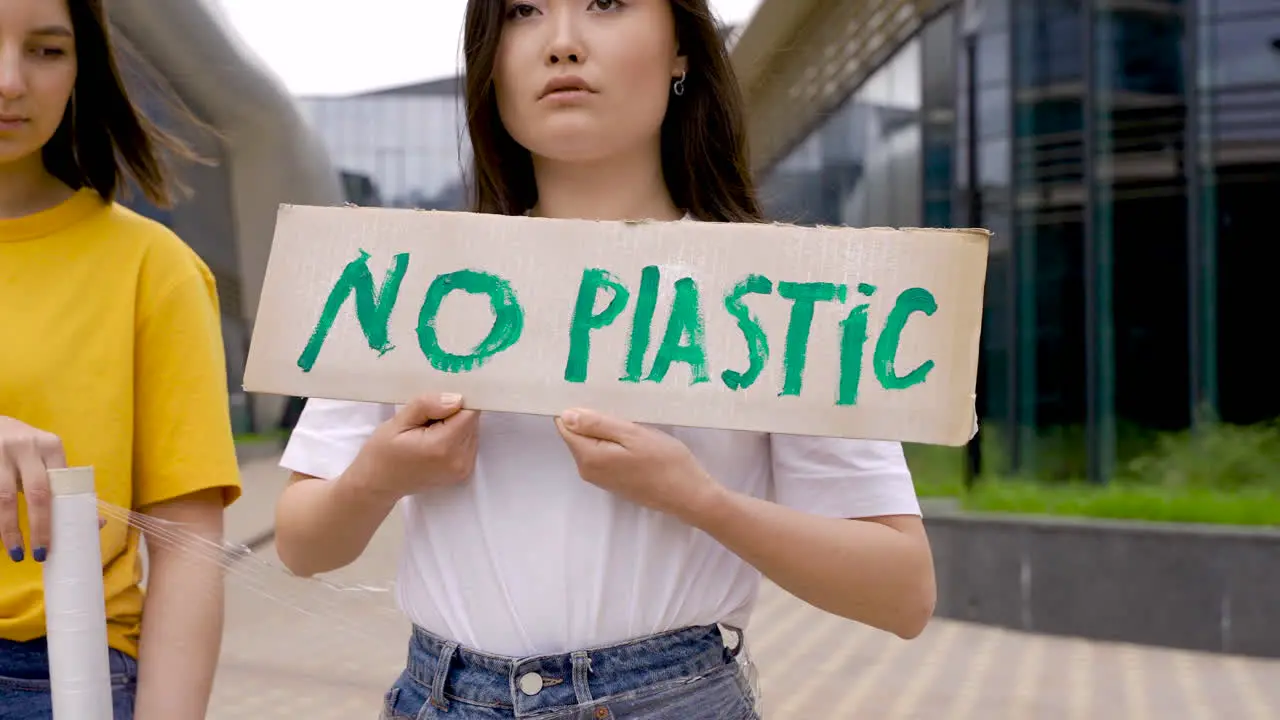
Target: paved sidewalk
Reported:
point(301, 649)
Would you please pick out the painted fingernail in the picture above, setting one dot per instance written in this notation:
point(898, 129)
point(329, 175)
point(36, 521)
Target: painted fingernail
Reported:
point(16, 554)
point(39, 554)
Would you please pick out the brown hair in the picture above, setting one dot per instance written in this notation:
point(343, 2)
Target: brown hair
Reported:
point(704, 142)
point(103, 139)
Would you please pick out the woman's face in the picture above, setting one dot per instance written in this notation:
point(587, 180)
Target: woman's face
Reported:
point(582, 80)
point(37, 74)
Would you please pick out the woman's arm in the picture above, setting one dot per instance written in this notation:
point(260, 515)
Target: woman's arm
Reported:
point(877, 571)
point(323, 525)
point(183, 614)
point(184, 474)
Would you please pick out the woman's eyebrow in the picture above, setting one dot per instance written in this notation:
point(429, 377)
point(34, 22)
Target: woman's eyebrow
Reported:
point(54, 30)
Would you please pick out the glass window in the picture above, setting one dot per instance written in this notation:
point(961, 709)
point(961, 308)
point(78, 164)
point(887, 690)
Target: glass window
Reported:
point(1235, 9)
point(993, 111)
point(937, 57)
point(863, 166)
point(938, 96)
point(1049, 42)
point(1242, 123)
point(1144, 51)
point(994, 163)
point(994, 13)
point(993, 57)
point(1139, 228)
point(1244, 50)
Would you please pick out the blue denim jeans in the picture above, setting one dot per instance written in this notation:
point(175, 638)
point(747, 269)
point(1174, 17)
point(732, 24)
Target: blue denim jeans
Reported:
point(24, 682)
point(683, 675)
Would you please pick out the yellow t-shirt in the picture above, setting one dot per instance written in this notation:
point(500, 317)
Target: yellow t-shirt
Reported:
point(110, 338)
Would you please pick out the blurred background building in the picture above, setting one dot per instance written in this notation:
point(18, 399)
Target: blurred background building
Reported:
point(408, 143)
point(192, 75)
point(1126, 154)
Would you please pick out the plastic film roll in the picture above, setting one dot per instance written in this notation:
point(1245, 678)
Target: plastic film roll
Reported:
point(75, 606)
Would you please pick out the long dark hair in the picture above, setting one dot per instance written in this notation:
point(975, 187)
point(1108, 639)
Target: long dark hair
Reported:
point(704, 141)
point(104, 139)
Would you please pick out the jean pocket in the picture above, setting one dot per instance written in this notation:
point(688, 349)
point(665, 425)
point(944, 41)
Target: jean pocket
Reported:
point(121, 678)
point(119, 681)
point(12, 684)
point(124, 670)
point(407, 700)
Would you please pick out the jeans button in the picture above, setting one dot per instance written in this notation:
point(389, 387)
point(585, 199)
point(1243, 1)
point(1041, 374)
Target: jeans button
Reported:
point(531, 683)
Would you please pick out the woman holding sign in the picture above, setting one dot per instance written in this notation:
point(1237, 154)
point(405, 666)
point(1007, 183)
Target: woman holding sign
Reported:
point(111, 357)
point(586, 566)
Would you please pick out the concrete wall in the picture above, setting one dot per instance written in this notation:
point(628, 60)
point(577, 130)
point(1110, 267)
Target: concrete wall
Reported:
point(1212, 589)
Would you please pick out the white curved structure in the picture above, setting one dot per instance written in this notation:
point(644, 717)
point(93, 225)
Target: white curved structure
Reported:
point(267, 154)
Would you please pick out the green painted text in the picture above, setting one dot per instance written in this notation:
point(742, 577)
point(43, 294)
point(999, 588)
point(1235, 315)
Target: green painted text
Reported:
point(602, 299)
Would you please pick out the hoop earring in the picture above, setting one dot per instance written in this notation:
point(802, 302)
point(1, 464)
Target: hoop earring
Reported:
point(678, 87)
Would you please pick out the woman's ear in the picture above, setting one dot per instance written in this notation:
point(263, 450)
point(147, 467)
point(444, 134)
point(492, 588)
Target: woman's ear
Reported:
point(679, 67)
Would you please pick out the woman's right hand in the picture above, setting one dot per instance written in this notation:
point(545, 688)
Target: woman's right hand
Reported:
point(431, 442)
point(26, 456)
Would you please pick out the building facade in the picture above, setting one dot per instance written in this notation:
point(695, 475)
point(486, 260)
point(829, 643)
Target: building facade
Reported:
point(1125, 154)
point(409, 142)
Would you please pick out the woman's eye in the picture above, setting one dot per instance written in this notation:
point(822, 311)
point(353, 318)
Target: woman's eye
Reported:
point(520, 11)
point(605, 5)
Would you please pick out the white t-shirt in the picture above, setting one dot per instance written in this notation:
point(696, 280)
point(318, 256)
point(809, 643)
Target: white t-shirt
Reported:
point(527, 558)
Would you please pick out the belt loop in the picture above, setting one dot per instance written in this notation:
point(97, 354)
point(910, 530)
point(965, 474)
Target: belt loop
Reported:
point(737, 647)
point(442, 673)
point(581, 671)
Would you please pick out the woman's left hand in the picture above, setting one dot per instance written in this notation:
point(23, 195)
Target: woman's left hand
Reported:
point(643, 465)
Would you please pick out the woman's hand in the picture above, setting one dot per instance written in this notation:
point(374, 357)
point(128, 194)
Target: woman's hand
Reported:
point(26, 456)
point(643, 465)
point(430, 443)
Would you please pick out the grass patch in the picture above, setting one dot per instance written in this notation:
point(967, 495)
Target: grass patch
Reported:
point(250, 438)
point(1222, 475)
point(1128, 502)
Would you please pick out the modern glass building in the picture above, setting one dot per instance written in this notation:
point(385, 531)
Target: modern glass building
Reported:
point(409, 141)
point(1126, 155)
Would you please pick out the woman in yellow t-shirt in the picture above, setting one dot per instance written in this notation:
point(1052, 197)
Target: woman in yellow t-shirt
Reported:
point(111, 357)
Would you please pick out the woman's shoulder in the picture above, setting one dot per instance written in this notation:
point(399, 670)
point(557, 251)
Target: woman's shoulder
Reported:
point(149, 234)
point(164, 259)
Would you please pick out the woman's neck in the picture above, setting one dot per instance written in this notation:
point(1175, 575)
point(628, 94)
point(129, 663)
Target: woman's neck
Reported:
point(26, 188)
point(617, 188)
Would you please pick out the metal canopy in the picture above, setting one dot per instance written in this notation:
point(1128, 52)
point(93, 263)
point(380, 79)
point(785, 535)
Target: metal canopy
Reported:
point(799, 59)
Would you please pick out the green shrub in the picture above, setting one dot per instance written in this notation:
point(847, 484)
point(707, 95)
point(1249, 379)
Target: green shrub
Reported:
point(1222, 457)
point(1219, 473)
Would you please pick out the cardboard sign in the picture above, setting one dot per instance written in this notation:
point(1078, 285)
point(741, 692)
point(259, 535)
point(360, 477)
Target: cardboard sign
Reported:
point(863, 333)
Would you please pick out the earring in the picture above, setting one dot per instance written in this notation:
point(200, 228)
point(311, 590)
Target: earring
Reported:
point(678, 87)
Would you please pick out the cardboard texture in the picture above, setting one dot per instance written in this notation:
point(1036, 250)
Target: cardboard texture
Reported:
point(861, 333)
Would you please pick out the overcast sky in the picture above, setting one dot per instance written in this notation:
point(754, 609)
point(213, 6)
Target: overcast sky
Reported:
point(334, 47)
